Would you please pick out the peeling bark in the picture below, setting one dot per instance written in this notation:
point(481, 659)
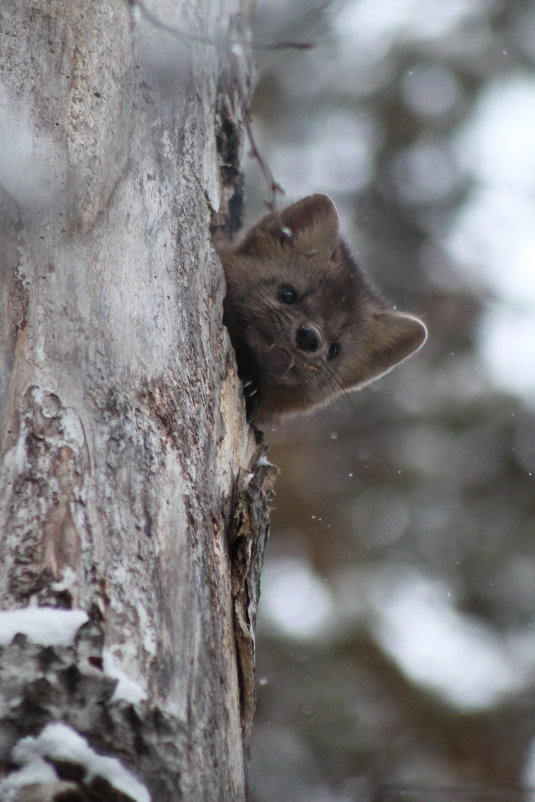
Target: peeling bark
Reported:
point(126, 461)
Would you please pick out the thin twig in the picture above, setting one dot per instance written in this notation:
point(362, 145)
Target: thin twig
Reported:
point(223, 41)
point(274, 187)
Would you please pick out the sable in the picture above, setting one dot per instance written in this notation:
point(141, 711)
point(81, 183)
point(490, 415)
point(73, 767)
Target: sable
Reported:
point(304, 321)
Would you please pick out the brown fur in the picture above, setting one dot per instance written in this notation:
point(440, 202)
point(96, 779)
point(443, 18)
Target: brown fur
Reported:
point(283, 347)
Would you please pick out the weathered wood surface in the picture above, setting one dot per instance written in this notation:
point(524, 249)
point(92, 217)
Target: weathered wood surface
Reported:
point(123, 440)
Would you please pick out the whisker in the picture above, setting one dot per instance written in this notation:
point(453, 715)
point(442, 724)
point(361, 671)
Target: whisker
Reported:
point(341, 392)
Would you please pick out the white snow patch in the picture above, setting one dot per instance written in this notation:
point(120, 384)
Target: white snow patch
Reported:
point(247, 480)
point(45, 625)
point(127, 688)
point(263, 462)
point(60, 742)
point(34, 772)
point(67, 580)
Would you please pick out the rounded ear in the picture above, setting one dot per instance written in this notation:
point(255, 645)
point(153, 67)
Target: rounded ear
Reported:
point(312, 224)
point(314, 216)
point(406, 334)
point(394, 337)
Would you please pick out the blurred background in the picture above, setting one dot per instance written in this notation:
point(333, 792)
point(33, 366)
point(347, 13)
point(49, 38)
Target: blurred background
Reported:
point(396, 633)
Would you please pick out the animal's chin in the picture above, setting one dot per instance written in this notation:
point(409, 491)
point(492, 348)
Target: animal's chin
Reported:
point(278, 360)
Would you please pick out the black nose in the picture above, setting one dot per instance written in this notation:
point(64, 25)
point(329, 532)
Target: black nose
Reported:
point(307, 338)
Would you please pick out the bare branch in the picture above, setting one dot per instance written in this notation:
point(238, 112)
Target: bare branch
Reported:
point(274, 187)
point(220, 42)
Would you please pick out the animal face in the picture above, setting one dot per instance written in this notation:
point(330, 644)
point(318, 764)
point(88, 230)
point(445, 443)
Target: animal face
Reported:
point(302, 317)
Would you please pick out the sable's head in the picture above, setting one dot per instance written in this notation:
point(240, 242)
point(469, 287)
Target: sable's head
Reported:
point(301, 315)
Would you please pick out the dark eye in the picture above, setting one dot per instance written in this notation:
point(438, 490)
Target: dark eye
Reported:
point(334, 350)
point(288, 295)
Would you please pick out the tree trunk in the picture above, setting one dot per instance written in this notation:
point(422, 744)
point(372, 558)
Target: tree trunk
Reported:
point(133, 497)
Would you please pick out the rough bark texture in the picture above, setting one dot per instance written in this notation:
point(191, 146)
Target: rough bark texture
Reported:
point(131, 486)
